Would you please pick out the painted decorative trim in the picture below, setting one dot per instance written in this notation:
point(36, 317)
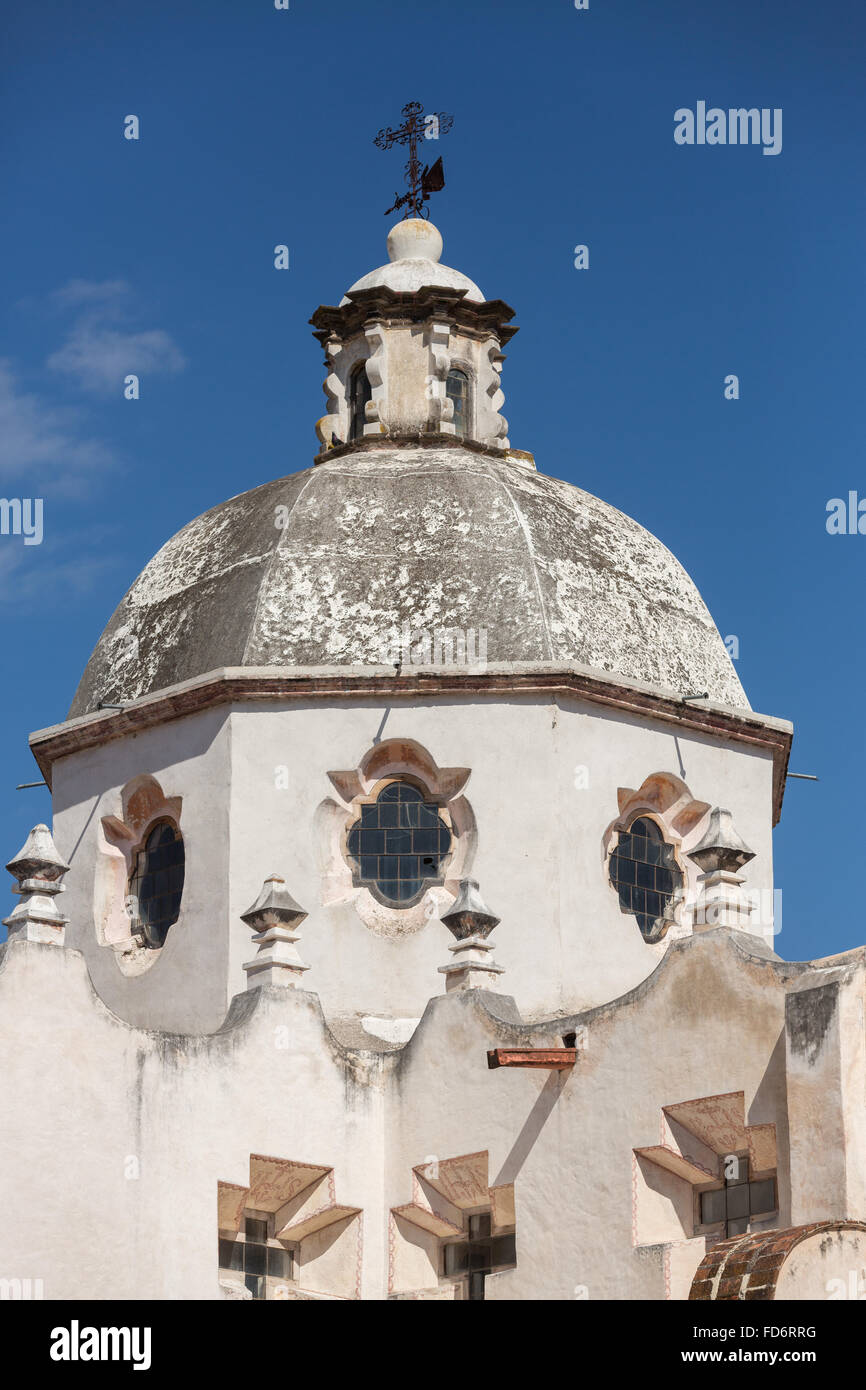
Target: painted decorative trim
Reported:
point(288, 1193)
point(443, 1190)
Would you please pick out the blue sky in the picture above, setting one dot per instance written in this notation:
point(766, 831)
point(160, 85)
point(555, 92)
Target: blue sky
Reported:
point(257, 128)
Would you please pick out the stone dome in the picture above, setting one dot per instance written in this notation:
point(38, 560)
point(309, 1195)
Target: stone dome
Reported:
point(316, 569)
point(414, 247)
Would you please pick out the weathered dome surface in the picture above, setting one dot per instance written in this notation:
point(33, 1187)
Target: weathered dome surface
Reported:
point(433, 537)
point(409, 276)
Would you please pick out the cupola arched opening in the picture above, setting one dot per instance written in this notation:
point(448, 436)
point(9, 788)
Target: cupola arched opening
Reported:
point(458, 391)
point(360, 392)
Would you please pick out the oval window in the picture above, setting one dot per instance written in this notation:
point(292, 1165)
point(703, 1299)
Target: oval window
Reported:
point(157, 882)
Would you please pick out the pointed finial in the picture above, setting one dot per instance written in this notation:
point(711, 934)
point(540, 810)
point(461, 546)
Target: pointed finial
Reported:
point(468, 915)
point(274, 917)
point(38, 857)
point(470, 923)
point(720, 854)
point(721, 846)
point(38, 869)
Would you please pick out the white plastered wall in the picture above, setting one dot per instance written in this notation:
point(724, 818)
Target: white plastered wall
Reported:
point(83, 1093)
point(253, 779)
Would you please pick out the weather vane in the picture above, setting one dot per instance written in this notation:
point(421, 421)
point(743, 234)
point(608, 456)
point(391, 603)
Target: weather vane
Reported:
point(422, 182)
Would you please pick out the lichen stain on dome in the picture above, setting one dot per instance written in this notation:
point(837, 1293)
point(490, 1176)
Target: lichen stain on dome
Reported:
point(433, 538)
point(202, 550)
point(356, 516)
point(435, 519)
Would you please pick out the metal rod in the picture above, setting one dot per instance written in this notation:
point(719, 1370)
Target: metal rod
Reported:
point(804, 776)
point(21, 785)
point(701, 695)
point(103, 705)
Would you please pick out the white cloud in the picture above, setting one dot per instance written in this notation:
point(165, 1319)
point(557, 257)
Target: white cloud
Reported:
point(47, 572)
point(91, 292)
point(100, 357)
point(99, 350)
point(43, 445)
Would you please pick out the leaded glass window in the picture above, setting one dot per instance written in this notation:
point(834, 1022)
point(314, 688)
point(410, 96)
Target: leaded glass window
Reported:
point(360, 392)
point(398, 844)
point(157, 882)
point(480, 1254)
point(457, 390)
point(645, 873)
point(740, 1199)
point(256, 1257)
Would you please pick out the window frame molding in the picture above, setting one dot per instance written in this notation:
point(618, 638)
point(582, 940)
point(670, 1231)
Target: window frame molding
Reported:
point(142, 804)
point(666, 799)
point(392, 760)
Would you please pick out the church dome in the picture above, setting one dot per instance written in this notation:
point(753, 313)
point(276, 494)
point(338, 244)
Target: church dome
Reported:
point(318, 568)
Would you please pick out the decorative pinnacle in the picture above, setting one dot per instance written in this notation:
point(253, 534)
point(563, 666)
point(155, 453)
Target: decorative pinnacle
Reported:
point(38, 868)
point(721, 846)
point(422, 182)
point(468, 914)
point(274, 907)
point(274, 918)
point(720, 855)
point(38, 858)
point(470, 922)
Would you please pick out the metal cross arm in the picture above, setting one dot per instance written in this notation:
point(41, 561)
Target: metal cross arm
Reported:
point(422, 181)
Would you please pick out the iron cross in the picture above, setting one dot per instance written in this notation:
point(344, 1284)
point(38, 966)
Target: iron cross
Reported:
point(422, 182)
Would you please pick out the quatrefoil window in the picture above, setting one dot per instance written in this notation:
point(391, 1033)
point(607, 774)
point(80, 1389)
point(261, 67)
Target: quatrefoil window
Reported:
point(645, 874)
point(398, 844)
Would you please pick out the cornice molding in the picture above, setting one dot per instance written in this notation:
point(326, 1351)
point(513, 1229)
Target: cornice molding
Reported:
point(489, 318)
point(243, 685)
point(372, 444)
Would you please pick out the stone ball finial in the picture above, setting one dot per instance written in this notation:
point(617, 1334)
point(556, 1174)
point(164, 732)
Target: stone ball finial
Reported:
point(414, 239)
point(38, 858)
